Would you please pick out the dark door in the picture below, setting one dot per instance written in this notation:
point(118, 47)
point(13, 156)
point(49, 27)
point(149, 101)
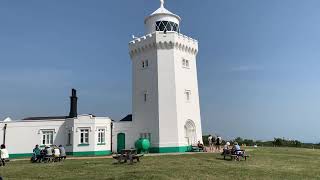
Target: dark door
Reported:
point(121, 142)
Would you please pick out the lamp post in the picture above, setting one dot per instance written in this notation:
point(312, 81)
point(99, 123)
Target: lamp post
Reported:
point(111, 132)
point(4, 133)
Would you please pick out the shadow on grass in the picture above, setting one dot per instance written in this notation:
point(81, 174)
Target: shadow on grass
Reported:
point(222, 159)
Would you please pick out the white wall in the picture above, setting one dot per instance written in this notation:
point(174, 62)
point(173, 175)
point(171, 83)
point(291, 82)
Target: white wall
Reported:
point(22, 136)
point(145, 114)
point(128, 130)
point(93, 124)
point(167, 111)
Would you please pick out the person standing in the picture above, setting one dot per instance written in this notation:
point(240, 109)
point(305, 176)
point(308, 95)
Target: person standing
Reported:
point(4, 155)
point(210, 142)
point(218, 143)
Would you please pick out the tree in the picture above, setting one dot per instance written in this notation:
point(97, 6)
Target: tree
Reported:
point(277, 142)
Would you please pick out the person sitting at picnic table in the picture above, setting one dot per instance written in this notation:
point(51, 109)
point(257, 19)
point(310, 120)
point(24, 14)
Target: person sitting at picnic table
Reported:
point(62, 152)
point(4, 155)
point(226, 149)
point(48, 151)
point(36, 154)
point(237, 149)
point(56, 151)
point(200, 145)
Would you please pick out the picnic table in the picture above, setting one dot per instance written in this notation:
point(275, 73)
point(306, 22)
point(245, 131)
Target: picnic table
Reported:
point(197, 149)
point(234, 155)
point(128, 155)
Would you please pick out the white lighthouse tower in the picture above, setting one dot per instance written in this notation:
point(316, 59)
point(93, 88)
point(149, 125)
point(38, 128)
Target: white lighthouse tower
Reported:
point(165, 87)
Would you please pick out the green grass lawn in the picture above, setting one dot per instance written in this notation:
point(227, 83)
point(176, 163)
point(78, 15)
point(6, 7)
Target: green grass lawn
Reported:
point(264, 163)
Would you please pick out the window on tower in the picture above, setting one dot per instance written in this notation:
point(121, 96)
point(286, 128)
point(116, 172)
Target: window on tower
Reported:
point(146, 136)
point(145, 96)
point(145, 64)
point(167, 26)
point(185, 63)
point(187, 95)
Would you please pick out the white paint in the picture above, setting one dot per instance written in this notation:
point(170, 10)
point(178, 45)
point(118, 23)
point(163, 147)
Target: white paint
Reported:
point(23, 135)
point(166, 113)
point(161, 14)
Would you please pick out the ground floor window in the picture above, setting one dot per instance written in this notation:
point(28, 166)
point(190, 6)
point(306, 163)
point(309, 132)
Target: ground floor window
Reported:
point(146, 136)
point(47, 137)
point(84, 136)
point(101, 136)
point(69, 140)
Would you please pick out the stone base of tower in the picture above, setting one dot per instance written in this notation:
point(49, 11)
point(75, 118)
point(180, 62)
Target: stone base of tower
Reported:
point(170, 149)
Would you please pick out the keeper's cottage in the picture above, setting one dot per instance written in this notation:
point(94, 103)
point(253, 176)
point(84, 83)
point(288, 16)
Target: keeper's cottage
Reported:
point(165, 101)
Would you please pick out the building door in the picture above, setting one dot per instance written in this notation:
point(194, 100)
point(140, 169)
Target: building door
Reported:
point(190, 133)
point(121, 142)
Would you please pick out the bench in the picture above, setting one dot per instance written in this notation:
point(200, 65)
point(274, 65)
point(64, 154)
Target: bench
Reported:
point(235, 155)
point(127, 155)
point(58, 159)
point(196, 149)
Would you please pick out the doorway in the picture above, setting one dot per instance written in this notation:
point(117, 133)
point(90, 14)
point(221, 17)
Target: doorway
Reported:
point(121, 142)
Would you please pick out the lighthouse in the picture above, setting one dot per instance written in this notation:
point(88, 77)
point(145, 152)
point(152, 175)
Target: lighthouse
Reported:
point(165, 97)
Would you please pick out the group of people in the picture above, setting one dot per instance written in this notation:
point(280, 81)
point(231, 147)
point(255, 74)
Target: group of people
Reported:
point(4, 155)
point(49, 153)
point(214, 143)
point(235, 149)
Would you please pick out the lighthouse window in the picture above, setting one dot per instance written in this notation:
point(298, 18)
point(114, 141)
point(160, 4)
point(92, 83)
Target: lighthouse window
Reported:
point(145, 64)
point(185, 63)
point(145, 136)
point(188, 95)
point(145, 96)
point(167, 26)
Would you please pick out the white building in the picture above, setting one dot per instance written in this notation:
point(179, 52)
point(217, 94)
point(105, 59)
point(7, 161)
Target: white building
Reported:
point(80, 135)
point(165, 102)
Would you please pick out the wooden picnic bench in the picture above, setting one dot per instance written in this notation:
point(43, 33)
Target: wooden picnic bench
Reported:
point(235, 155)
point(127, 155)
point(196, 149)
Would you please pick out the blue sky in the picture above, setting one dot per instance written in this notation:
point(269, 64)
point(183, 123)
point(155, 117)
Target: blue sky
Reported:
point(258, 64)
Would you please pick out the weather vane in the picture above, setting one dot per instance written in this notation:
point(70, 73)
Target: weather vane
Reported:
point(162, 3)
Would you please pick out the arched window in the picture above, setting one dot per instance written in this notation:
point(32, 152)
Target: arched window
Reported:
point(190, 132)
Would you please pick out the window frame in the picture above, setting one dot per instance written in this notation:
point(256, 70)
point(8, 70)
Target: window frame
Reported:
point(145, 96)
point(47, 137)
point(84, 140)
point(69, 138)
point(145, 64)
point(146, 136)
point(187, 94)
point(186, 63)
point(101, 136)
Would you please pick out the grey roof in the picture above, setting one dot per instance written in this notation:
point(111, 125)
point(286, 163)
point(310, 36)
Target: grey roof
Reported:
point(46, 118)
point(127, 118)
